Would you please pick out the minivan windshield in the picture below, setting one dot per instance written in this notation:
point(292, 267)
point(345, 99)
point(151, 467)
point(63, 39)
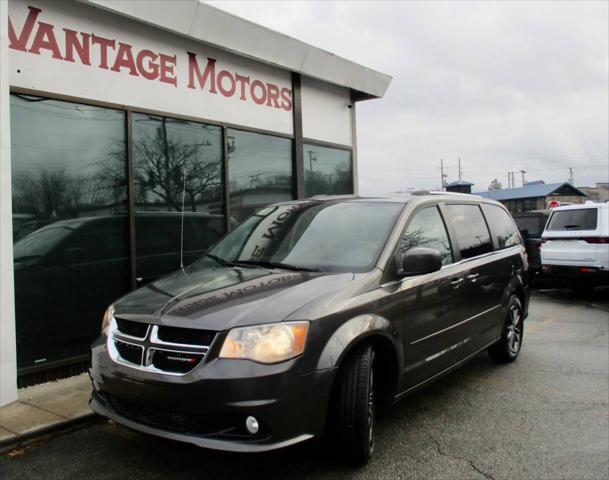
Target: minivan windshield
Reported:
point(319, 236)
point(577, 219)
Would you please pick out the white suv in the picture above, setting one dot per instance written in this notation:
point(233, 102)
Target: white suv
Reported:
point(575, 245)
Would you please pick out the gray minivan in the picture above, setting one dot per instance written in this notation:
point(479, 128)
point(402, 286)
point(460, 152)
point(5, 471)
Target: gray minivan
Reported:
point(308, 315)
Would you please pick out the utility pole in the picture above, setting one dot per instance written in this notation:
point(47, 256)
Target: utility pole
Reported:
point(571, 180)
point(460, 171)
point(442, 176)
point(522, 172)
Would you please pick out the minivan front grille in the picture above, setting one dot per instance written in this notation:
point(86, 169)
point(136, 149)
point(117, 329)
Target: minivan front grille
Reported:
point(176, 362)
point(129, 352)
point(187, 336)
point(132, 329)
point(158, 349)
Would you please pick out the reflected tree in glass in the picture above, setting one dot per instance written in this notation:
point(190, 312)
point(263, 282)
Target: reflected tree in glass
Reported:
point(328, 171)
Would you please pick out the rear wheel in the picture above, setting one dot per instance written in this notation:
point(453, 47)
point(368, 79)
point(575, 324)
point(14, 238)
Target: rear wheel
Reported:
point(508, 347)
point(354, 406)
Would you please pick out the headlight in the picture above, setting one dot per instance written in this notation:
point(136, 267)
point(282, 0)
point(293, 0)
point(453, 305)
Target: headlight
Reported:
point(108, 316)
point(266, 343)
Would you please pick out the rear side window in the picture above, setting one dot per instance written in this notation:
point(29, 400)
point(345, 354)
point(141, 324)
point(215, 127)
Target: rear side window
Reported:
point(580, 219)
point(471, 230)
point(503, 227)
point(427, 230)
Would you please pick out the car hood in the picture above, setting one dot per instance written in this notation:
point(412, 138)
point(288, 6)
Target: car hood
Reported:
point(221, 298)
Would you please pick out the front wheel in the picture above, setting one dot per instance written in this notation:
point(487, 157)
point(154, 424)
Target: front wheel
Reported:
point(508, 347)
point(354, 406)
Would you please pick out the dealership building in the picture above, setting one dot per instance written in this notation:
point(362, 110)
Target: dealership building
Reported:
point(116, 116)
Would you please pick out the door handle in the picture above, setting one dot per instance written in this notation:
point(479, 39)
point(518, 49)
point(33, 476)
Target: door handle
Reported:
point(456, 282)
point(473, 277)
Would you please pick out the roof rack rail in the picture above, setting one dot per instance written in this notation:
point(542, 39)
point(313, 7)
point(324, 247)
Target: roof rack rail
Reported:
point(439, 192)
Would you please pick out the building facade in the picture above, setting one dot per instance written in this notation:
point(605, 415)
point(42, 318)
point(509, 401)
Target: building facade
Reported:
point(118, 116)
point(536, 196)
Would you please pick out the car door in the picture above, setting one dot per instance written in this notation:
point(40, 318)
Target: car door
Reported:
point(432, 303)
point(485, 274)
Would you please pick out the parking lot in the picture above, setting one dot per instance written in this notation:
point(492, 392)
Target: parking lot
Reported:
point(543, 417)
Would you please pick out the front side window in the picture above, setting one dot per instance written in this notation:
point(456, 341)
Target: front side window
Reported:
point(471, 230)
point(580, 219)
point(503, 227)
point(427, 230)
point(328, 171)
point(336, 237)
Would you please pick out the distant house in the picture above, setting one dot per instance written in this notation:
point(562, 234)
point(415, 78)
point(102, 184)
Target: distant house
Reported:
point(535, 196)
point(460, 186)
point(599, 193)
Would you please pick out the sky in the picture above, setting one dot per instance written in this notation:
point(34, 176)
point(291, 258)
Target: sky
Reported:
point(504, 86)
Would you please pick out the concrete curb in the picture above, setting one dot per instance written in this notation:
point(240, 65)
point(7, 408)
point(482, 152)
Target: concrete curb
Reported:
point(47, 431)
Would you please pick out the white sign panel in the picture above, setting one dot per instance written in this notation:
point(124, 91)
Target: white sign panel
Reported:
point(325, 112)
point(72, 49)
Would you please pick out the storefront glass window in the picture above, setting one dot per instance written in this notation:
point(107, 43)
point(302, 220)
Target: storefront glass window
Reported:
point(260, 172)
point(70, 247)
point(328, 171)
point(175, 162)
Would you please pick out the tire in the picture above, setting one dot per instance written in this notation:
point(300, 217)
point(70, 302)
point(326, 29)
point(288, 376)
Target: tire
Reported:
point(506, 350)
point(354, 406)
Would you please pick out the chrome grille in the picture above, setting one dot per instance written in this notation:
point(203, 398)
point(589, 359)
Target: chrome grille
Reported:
point(132, 329)
point(158, 349)
point(129, 352)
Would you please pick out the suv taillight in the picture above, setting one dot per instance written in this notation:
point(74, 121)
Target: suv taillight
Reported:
point(596, 239)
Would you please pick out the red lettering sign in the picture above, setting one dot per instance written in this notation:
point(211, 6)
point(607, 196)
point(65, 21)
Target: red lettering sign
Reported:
point(39, 38)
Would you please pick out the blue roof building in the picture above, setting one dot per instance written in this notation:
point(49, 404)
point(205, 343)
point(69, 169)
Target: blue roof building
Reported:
point(535, 196)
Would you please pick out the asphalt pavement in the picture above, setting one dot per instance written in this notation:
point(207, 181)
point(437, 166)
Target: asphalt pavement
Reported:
point(545, 416)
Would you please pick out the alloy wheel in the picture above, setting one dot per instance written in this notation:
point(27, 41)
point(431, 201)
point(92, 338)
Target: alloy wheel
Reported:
point(514, 330)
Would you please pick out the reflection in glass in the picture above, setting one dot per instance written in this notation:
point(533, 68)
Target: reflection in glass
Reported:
point(260, 171)
point(427, 229)
point(352, 235)
point(472, 233)
point(328, 171)
point(69, 219)
point(175, 161)
point(502, 225)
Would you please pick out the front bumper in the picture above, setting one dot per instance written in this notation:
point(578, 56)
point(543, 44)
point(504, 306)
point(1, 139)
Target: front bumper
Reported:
point(208, 406)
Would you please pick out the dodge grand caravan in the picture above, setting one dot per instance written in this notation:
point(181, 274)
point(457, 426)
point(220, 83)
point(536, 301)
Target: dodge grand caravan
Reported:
point(309, 315)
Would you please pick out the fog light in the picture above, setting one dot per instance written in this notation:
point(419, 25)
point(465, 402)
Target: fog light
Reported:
point(252, 425)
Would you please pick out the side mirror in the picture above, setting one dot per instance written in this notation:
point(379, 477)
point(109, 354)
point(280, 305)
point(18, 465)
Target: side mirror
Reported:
point(421, 260)
point(73, 255)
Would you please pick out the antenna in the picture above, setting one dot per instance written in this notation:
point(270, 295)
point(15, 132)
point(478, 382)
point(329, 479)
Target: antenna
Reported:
point(182, 219)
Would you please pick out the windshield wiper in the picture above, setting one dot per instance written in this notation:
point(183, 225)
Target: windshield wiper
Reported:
point(286, 266)
point(220, 260)
point(572, 226)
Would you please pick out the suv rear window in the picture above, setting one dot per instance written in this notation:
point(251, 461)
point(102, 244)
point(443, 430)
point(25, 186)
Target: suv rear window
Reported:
point(580, 219)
